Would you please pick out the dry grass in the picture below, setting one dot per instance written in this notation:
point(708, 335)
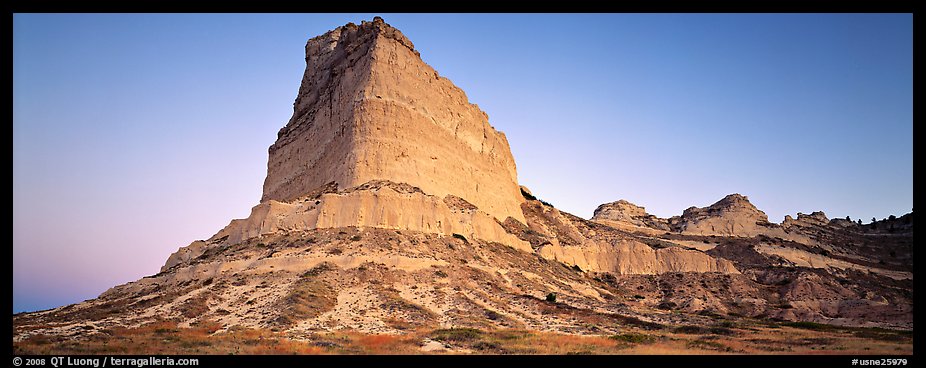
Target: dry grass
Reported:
point(210, 338)
point(386, 344)
point(308, 297)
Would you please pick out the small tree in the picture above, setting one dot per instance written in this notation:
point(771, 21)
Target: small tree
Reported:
point(859, 221)
point(551, 297)
point(848, 219)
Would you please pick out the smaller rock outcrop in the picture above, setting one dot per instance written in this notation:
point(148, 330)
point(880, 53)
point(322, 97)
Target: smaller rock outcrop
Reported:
point(817, 218)
point(733, 215)
point(630, 257)
point(628, 216)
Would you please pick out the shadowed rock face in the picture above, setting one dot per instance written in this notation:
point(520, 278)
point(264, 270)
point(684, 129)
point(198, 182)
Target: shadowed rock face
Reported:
point(370, 109)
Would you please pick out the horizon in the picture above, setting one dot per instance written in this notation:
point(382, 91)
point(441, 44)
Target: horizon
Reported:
point(160, 123)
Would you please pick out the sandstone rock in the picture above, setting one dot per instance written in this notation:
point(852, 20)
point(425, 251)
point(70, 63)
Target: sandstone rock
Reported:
point(185, 254)
point(632, 258)
point(841, 222)
point(625, 215)
point(370, 109)
point(733, 215)
point(815, 219)
point(379, 204)
point(575, 242)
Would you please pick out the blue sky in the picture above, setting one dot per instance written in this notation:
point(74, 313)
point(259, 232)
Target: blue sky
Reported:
point(136, 134)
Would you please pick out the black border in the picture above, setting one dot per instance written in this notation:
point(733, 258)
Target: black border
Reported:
point(572, 6)
point(398, 6)
point(508, 361)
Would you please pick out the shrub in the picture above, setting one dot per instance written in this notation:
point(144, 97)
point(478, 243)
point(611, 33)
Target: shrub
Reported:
point(810, 326)
point(689, 329)
point(722, 331)
point(551, 297)
point(486, 346)
point(527, 195)
point(318, 270)
point(709, 345)
point(456, 334)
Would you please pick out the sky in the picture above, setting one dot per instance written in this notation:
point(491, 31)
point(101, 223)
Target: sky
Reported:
point(136, 134)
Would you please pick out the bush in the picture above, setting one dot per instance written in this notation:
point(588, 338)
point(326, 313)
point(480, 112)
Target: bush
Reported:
point(722, 331)
point(692, 330)
point(551, 297)
point(810, 326)
point(486, 346)
point(456, 334)
point(527, 195)
point(709, 345)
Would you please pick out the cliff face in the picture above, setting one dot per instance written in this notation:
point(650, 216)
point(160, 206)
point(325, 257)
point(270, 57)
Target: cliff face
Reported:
point(370, 109)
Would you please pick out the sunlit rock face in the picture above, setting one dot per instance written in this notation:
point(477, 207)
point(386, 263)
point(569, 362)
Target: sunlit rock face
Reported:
point(370, 109)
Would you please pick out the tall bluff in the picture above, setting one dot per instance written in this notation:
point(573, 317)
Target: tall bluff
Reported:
point(370, 109)
point(379, 139)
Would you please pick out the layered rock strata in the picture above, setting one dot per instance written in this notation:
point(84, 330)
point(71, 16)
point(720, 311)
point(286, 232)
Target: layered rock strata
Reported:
point(370, 109)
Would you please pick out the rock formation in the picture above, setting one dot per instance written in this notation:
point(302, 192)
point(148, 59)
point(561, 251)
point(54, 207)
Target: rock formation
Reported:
point(817, 218)
point(370, 109)
point(378, 204)
point(623, 214)
point(635, 258)
point(733, 215)
point(574, 242)
point(391, 205)
point(379, 139)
